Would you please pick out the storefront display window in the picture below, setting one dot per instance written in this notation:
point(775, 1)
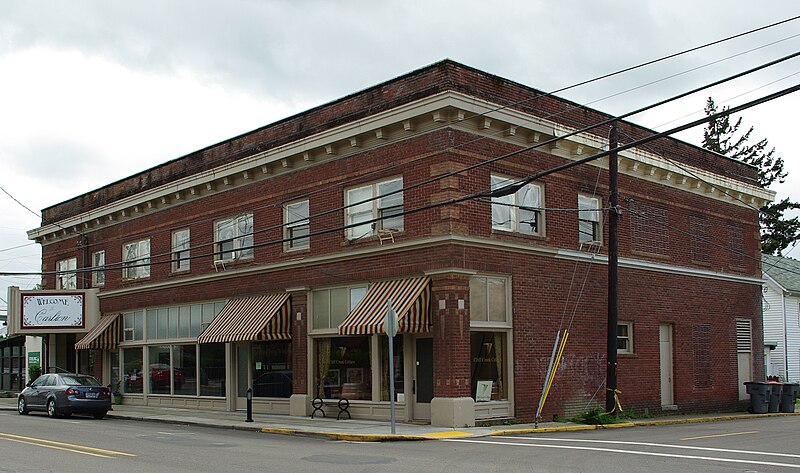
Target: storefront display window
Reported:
point(344, 368)
point(212, 369)
point(132, 361)
point(113, 358)
point(398, 366)
point(184, 376)
point(489, 366)
point(160, 369)
point(272, 369)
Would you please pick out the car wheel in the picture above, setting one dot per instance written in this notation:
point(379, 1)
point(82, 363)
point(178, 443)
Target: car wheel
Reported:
point(99, 415)
point(52, 410)
point(22, 408)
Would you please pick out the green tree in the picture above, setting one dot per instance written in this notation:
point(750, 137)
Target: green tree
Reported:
point(777, 230)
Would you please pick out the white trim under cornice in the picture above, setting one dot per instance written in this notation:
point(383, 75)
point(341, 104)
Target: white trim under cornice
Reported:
point(409, 112)
point(423, 243)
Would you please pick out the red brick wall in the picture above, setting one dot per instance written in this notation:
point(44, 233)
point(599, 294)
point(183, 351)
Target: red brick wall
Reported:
point(543, 286)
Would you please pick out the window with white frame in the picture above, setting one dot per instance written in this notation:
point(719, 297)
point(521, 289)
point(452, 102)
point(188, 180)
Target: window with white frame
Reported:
point(66, 275)
point(180, 250)
point(296, 225)
point(98, 268)
point(589, 229)
point(331, 306)
point(233, 238)
point(136, 259)
point(381, 200)
point(518, 212)
point(625, 338)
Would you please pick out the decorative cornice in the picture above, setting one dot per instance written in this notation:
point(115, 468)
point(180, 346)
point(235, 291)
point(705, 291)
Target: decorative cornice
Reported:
point(450, 108)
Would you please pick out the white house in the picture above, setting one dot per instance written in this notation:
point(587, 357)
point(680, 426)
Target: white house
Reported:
point(781, 321)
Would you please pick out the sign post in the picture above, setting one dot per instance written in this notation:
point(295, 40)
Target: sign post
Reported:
point(390, 327)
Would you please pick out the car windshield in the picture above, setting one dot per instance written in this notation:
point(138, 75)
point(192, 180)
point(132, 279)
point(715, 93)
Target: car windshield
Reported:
point(78, 380)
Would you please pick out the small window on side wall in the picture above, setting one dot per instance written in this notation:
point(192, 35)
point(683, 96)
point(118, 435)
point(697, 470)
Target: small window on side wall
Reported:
point(625, 338)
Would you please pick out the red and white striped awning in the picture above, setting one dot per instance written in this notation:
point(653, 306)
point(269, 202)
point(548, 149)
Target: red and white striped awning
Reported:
point(103, 336)
point(250, 319)
point(410, 300)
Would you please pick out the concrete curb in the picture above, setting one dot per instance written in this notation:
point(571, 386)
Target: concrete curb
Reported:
point(340, 436)
point(637, 423)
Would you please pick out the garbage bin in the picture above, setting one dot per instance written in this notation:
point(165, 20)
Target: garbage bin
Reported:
point(775, 396)
point(789, 397)
point(759, 396)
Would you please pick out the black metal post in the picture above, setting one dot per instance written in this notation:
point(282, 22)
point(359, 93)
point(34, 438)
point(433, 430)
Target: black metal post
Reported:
point(249, 405)
point(613, 217)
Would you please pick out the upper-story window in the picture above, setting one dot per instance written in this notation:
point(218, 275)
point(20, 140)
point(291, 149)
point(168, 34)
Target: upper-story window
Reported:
point(589, 229)
point(233, 238)
point(136, 260)
point(180, 250)
point(518, 212)
point(66, 277)
point(387, 206)
point(98, 268)
point(296, 225)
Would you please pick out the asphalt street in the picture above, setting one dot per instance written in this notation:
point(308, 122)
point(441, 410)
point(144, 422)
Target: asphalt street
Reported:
point(82, 444)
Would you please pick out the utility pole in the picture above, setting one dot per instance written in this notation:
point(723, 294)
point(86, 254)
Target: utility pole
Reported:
point(613, 249)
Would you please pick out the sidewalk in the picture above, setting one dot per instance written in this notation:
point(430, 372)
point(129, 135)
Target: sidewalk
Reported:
point(365, 430)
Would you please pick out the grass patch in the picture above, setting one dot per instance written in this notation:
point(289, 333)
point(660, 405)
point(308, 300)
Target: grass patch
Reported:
point(598, 416)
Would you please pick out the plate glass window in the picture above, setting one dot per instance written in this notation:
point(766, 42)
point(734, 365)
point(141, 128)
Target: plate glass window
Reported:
point(518, 212)
point(296, 225)
point(136, 260)
point(233, 238)
point(180, 250)
point(66, 277)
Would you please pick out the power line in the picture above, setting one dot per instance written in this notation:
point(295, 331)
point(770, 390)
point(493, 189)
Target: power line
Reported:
point(605, 76)
point(507, 155)
point(489, 193)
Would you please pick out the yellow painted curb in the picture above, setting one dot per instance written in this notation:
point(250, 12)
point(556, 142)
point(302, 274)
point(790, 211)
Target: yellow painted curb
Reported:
point(341, 436)
point(447, 435)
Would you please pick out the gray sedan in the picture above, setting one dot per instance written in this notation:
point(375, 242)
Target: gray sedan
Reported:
point(61, 394)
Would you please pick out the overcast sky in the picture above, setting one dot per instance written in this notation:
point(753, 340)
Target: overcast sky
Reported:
point(94, 91)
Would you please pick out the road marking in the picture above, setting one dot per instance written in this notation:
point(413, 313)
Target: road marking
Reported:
point(720, 435)
point(629, 452)
point(37, 444)
point(661, 445)
point(62, 445)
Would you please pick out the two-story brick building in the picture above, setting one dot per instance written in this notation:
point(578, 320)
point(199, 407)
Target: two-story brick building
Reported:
point(266, 261)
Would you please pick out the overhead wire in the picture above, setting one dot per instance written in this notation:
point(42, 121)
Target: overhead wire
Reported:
point(537, 97)
point(474, 195)
point(514, 153)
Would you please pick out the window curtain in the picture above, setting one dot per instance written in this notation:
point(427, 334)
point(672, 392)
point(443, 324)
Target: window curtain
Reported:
point(498, 357)
point(324, 364)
